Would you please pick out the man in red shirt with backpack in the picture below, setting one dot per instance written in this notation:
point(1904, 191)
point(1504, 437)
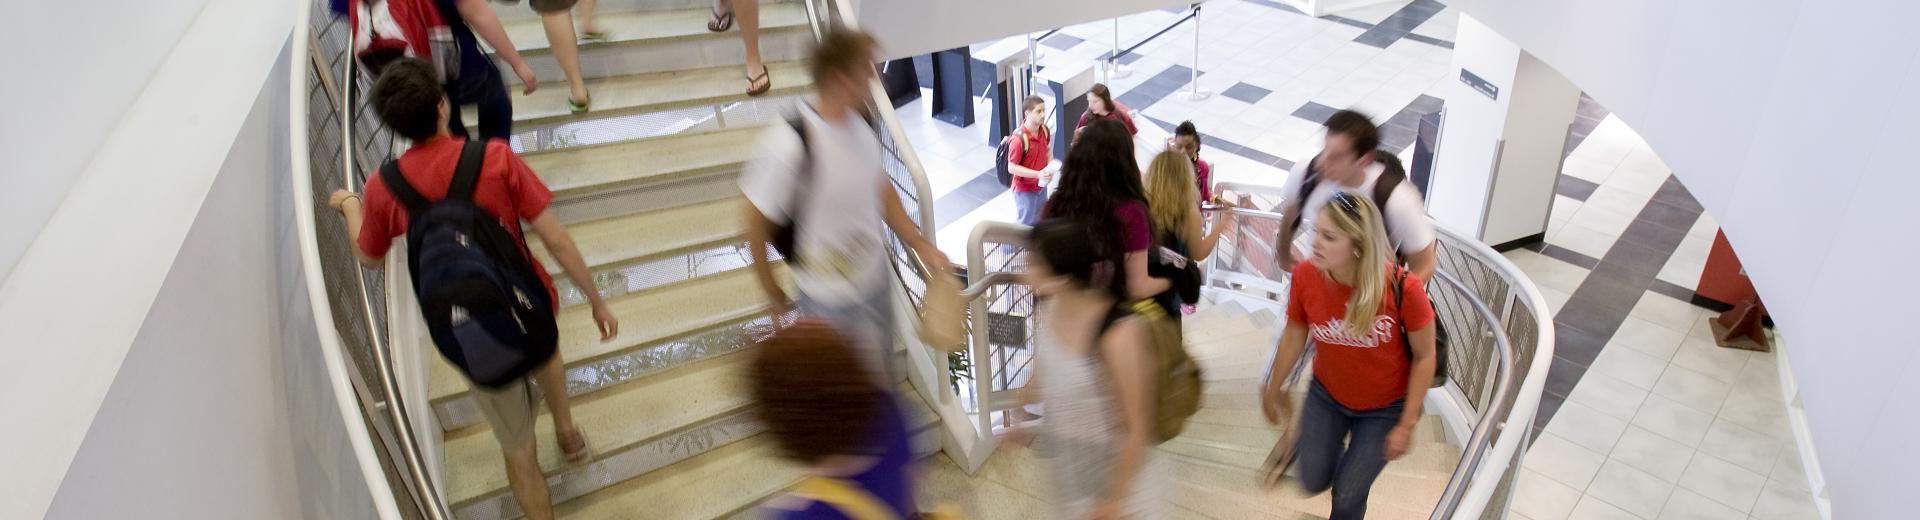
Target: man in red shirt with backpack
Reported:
point(409, 99)
point(1028, 153)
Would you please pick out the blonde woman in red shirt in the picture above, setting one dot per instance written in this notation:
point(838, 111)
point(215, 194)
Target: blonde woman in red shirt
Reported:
point(1369, 351)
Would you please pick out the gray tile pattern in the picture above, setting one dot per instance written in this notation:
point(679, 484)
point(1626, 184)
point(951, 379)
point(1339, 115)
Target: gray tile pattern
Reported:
point(1314, 112)
point(1403, 128)
point(1212, 144)
point(1158, 87)
point(1587, 116)
point(1400, 23)
point(1062, 41)
point(1575, 188)
point(1246, 92)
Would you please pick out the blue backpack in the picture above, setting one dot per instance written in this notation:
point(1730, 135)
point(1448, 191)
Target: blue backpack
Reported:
point(483, 303)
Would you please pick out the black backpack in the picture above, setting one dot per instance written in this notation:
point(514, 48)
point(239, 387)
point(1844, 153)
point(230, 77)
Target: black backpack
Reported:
point(785, 234)
point(483, 303)
point(1383, 189)
point(1002, 156)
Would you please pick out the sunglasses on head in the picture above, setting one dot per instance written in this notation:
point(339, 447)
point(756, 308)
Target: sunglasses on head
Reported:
point(1347, 203)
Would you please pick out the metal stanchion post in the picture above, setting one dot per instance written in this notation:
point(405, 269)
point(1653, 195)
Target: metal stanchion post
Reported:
point(1115, 69)
point(1195, 92)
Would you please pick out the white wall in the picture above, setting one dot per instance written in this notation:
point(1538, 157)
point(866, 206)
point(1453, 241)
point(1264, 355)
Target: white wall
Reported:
point(1543, 106)
point(76, 66)
point(1793, 123)
point(1463, 165)
point(195, 425)
point(910, 27)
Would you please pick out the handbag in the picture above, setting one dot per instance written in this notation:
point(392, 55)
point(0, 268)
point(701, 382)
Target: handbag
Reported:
point(943, 314)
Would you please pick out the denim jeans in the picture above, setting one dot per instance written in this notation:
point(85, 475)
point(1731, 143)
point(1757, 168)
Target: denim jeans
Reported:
point(868, 323)
point(489, 92)
point(1029, 205)
point(1326, 457)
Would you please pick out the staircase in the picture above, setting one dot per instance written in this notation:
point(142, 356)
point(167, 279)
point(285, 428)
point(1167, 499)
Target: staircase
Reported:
point(646, 183)
point(1215, 463)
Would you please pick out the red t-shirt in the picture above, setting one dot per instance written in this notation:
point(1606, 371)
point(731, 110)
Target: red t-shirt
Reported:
point(507, 189)
point(1136, 232)
point(1361, 373)
point(1034, 157)
point(1119, 113)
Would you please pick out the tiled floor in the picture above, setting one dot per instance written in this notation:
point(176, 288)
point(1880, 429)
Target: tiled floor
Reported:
point(1644, 416)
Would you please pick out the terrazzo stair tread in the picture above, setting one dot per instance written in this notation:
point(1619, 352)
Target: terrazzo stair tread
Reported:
point(631, 28)
point(1252, 438)
point(636, 237)
point(646, 317)
point(723, 482)
point(573, 171)
point(640, 93)
point(1391, 492)
point(1241, 418)
point(613, 420)
point(943, 483)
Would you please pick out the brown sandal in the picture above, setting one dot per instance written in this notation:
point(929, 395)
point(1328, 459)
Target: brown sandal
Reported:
point(720, 22)
point(754, 87)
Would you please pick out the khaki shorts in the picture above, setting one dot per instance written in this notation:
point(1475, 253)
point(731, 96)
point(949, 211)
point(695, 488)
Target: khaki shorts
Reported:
point(510, 410)
point(548, 6)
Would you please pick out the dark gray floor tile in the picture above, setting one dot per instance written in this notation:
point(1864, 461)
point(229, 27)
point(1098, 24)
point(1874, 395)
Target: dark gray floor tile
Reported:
point(1314, 112)
point(1129, 58)
point(1591, 109)
point(1426, 104)
point(968, 197)
point(1670, 290)
point(1563, 375)
point(1549, 405)
point(1575, 188)
point(1672, 192)
point(1670, 215)
point(1399, 24)
point(1347, 21)
point(1610, 289)
point(1245, 92)
point(1569, 256)
point(1575, 343)
point(1655, 235)
point(1062, 41)
point(1429, 40)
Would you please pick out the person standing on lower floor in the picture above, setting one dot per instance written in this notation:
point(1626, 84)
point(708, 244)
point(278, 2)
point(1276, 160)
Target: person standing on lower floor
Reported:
point(1029, 151)
point(407, 97)
point(1372, 327)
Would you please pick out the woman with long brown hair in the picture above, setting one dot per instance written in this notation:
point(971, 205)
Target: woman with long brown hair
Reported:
point(1100, 105)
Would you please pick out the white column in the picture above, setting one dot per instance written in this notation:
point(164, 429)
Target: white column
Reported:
point(1502, 138)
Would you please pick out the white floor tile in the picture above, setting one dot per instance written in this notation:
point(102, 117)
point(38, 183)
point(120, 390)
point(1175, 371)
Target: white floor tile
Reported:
point(1706, 228)
point(1662, 310)
point(1647, 451)
point(1688, 505)
point(1764, 414)
point(1722, 481)
point(1548, 272)
point(1694, 249)
point(1588, 168)
point(1782, 501)
point(1673, 420)
point(1617, 200)
point(1586, 426)
point(1721, 363)
point(1610, 396)
point(1629, 365)
point(1646, 338)
point(1692, 388)
point(1742, 446)
point(1582, 239)
point(1556, 300)
point(1681, 272)
point(1563, 461)
point(1787, 468)
point(1631, 490)
point(1542, 498)
point(1603, 219)
point(1591, 508)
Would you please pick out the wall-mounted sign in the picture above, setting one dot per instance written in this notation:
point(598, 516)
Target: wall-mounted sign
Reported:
point(1480, 84)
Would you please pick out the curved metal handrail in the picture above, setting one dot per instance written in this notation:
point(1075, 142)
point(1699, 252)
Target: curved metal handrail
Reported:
point(1476, 446)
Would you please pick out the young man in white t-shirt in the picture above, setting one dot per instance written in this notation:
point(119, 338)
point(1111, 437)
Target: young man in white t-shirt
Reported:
point(1348, 163)
point(838, 189)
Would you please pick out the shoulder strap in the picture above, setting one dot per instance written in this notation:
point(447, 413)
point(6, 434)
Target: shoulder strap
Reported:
point(1390, 178)
point(849, 499)
point(401, 189)
point(798, 122)
point(467, 174)
point(1399, 302)
point(1311, 181)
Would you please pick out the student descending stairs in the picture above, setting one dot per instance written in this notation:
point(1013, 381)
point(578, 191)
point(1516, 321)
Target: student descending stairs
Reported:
point(647, 184)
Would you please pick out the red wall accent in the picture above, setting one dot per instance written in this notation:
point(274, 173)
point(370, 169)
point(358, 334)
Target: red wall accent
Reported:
point(1722, 280)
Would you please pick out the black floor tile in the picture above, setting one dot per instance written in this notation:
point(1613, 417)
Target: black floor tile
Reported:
point(1563, 375)
point(1062, 41)
point(1572, 341)
point(1569, 256)
point(1670, 290)
point(1245, 92)
point(1575, 188)
point(1549, 405)
point(1314, 112)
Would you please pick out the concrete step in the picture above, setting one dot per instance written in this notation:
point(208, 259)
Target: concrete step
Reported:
point(576, 171)
point(662, 39)
point(646, 318)
point(648, 92)
point(628, 239)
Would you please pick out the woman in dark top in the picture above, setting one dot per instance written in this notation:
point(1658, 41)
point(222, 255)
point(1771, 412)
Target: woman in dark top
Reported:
point(812, 391)
point(1100, 185)
point(1100, 106)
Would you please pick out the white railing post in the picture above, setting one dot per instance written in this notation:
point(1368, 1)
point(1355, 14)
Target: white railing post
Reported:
point(1115, 69)
point(1194, 91)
